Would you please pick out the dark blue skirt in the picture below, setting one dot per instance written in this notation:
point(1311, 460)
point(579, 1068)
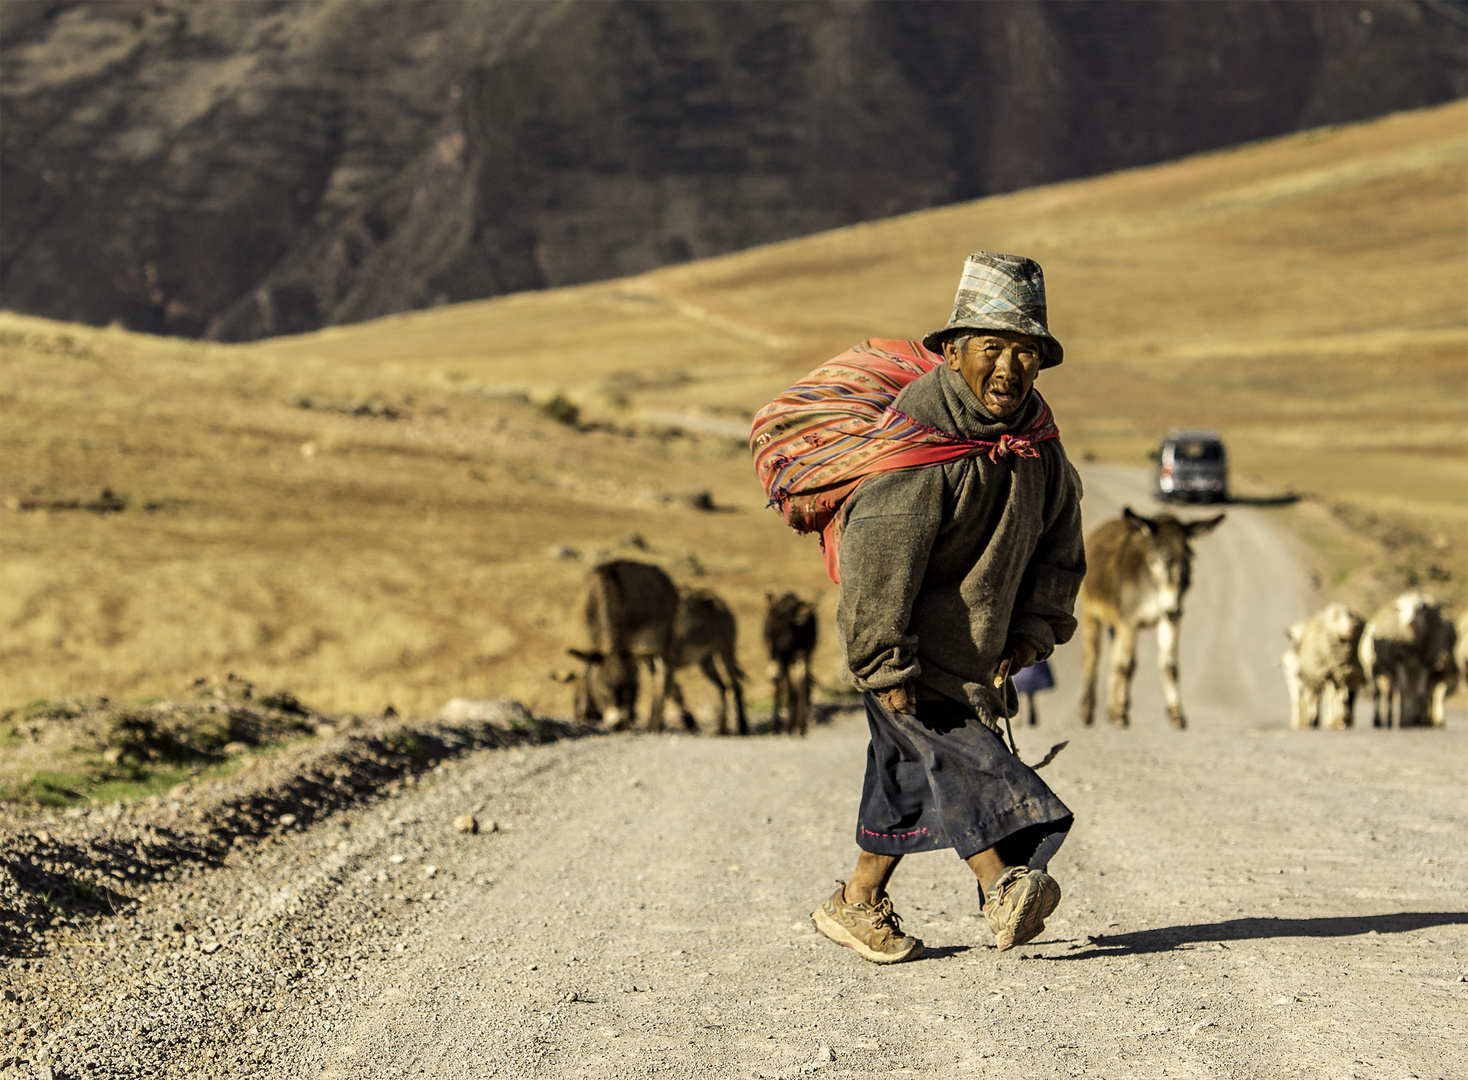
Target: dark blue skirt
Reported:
point(942, 779)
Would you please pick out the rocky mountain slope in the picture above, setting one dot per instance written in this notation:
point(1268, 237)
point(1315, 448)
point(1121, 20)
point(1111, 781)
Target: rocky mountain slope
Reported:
point(255, 168)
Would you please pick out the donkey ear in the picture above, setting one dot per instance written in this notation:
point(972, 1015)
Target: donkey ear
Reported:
point(1204, 527)
point(588, 657)
point(1138, 523)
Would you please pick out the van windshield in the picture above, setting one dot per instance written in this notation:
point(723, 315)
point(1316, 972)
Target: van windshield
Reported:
point(1197, 451)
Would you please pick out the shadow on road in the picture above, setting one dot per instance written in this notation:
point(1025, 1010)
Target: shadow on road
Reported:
point(1287, 499)
point(942, 952)
point(1168, 938)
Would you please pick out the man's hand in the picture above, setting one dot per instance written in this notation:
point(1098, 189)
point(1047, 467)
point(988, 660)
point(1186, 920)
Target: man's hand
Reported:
point(900, 699)
point(1018, 655)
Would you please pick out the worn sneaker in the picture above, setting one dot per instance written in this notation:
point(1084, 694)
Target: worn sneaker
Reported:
point(873, 930)
point(1018, 903)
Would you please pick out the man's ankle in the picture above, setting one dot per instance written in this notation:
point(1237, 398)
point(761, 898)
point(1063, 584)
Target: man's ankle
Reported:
point(851, 894)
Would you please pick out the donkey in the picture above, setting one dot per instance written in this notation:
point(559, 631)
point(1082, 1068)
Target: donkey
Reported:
point(630, 609)
point(790, 634)
point(705, 633)
point(1137, 572)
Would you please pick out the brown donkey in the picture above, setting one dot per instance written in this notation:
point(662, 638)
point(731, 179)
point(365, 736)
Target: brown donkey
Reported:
point(706, 633)
point(790, 635)
point(1137, 572)
point(630, 609)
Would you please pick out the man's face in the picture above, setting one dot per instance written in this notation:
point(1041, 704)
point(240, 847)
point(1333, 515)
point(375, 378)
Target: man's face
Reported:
point(999, 367)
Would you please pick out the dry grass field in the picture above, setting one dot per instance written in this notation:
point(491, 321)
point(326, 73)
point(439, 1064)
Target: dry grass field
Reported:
point(388, 512)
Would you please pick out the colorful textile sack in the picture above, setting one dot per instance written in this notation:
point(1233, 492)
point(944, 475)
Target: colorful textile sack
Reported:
point(815, 443)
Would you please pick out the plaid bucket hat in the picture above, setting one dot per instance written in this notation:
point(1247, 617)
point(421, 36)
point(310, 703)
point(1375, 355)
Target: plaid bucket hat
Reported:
point(1000, 292)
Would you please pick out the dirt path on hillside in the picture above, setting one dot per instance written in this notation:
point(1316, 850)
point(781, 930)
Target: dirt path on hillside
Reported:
point(1240, 901)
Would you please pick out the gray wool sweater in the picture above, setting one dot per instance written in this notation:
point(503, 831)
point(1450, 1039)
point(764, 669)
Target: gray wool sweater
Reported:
point(941, 566)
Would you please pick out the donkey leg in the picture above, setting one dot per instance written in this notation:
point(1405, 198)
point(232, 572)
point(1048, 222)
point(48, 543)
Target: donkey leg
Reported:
point(1091, 656)
point(662, 688)
point(675, 696)
point(706, 665)
point(731, 669)
point(802, 697)
point(784, 700)
point(1123, 667)
point(689, 723)
point(774, 672)
point(1167, 630)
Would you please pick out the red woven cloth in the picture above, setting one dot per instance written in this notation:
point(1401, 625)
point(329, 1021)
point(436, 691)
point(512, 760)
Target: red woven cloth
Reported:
point(815, 443)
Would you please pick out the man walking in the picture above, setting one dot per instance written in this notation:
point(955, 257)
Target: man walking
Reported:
point(954, 576)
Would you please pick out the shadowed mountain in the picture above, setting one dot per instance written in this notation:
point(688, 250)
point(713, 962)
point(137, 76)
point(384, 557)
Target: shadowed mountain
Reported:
point(256, 168)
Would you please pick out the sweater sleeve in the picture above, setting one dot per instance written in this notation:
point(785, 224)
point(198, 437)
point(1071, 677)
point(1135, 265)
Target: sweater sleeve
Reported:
point(890, 525)
point(1044, 609)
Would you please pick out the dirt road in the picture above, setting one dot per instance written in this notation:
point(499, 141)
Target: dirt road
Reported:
point(1240, 901)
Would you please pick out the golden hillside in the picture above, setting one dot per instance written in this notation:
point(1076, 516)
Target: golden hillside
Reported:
point(370, 513)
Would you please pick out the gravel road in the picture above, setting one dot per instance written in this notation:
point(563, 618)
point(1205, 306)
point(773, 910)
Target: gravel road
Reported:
point(1240, 901)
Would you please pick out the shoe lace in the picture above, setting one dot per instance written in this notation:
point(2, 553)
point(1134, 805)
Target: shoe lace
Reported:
point(884, 916)
point(1005, 882)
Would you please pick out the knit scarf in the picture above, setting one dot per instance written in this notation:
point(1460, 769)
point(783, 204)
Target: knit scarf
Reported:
point(815, 443)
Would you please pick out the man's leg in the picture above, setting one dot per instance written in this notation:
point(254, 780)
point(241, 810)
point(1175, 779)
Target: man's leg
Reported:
point(894, 795)
point(869, 879)
point(1017, 900)
point(987, 866)
point(859, 915)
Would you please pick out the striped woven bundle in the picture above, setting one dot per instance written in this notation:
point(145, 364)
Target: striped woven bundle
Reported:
point(815, 443)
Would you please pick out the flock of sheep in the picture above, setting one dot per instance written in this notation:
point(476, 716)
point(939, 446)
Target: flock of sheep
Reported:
point(1410, 652)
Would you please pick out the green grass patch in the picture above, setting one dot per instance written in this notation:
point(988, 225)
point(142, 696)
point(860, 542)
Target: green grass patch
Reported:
point(40, 709)
point(404, 743)
point(53, 788)
point(529, 724)
point(92, 781)
point(84, 891)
